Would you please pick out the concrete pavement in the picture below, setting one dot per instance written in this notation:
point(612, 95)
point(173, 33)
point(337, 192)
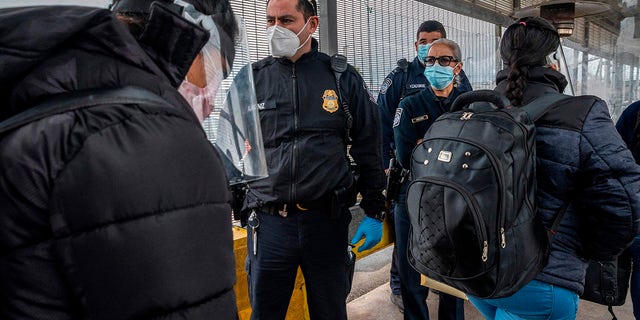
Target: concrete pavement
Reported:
point(369, 298)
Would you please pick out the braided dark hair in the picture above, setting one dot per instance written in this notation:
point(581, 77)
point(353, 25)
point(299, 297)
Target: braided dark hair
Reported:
point(526, 44)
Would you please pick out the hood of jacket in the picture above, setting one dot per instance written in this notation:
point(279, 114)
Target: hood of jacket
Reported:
point(50, 50)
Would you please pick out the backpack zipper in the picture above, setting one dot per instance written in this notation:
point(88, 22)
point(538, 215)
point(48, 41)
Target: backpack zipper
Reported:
point(520, 126)
point(497, 164)
point(467, 116)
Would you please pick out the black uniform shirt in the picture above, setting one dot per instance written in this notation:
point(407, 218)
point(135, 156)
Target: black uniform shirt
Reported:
point(304, 132)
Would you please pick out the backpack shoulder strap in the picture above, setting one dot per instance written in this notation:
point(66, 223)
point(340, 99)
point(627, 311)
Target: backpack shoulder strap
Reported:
point(539, 106)
point(79, 100)
point(536, 109)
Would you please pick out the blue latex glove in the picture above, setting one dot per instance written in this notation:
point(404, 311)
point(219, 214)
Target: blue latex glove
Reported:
point(371, 230)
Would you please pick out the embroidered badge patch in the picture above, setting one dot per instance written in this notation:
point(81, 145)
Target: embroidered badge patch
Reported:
point(385, 85)
point(330, 103)
point(396, 119)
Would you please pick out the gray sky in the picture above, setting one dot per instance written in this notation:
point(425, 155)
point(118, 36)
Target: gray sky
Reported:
point(23, 3)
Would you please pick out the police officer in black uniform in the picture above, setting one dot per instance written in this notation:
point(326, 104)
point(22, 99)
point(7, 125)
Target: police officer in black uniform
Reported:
point(299, 215)
point(413, 118)
point(405, 80)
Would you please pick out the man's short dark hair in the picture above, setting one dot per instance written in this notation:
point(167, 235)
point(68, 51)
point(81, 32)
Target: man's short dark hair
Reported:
point(431, 26)
point(308, 8)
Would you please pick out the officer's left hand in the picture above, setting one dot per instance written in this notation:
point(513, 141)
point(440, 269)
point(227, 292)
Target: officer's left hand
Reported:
point(371, 230)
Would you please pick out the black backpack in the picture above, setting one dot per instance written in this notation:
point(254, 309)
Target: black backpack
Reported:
point(471, 201)
point(607, 282)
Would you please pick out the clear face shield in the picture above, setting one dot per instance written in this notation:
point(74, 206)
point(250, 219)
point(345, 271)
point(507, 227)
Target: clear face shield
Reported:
point(557, 61)
point(227, 105)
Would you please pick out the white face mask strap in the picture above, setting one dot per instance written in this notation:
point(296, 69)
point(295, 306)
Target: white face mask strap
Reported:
point(303, 27)
point(299, 32)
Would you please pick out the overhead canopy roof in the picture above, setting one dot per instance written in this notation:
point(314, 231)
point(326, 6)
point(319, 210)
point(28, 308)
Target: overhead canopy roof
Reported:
point(607, 28)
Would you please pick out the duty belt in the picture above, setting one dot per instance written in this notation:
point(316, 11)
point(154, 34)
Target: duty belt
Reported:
point(283, 209)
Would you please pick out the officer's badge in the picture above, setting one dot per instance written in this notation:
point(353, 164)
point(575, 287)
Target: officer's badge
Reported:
point(330, 103)
point(396, 119)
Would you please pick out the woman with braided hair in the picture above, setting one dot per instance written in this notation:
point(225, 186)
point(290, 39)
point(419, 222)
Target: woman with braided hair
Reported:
point(524, 50)
point(582, 165)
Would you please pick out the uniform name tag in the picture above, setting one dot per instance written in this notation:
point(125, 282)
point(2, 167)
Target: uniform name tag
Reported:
point(420, 118)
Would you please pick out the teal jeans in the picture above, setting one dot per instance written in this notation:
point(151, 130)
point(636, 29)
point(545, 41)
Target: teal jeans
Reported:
point(535, 301)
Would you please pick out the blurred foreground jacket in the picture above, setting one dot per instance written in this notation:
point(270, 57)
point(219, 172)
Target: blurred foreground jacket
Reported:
point(114, 211)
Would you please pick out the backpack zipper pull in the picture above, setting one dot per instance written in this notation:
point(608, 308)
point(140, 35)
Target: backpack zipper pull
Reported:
point(503, 238)
point(485, 251)
point(466, 115)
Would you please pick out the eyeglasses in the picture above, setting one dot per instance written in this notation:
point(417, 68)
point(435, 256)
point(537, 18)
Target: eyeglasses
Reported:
point(442, 60)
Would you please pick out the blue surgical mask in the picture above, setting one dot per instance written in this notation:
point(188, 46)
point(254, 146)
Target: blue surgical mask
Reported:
point(439, 77)
point(422, 51)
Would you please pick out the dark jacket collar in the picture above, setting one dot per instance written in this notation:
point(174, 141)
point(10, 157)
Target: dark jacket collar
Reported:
point(541, 80)
point(431, 95)
point(306, 56)
point(417, 64)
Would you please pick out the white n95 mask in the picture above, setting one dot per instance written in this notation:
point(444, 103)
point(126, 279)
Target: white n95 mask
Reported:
point(283, 42)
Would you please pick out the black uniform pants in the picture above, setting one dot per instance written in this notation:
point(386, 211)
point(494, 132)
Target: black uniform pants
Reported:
point(308, 239)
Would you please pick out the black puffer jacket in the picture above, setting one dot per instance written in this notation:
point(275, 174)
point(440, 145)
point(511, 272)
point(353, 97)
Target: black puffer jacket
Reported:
point(114, 211)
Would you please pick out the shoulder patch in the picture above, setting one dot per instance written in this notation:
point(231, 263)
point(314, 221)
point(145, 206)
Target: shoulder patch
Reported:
point(385, 85)
point(396, 119)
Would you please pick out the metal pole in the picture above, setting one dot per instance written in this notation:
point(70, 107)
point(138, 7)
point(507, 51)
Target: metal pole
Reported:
point(585, 61)
point(328, 14)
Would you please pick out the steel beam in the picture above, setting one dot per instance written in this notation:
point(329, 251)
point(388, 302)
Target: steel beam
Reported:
point(471, 10)
point(328, 14)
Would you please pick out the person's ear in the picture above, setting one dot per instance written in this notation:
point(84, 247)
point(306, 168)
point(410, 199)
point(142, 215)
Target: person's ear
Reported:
point(314, 21)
